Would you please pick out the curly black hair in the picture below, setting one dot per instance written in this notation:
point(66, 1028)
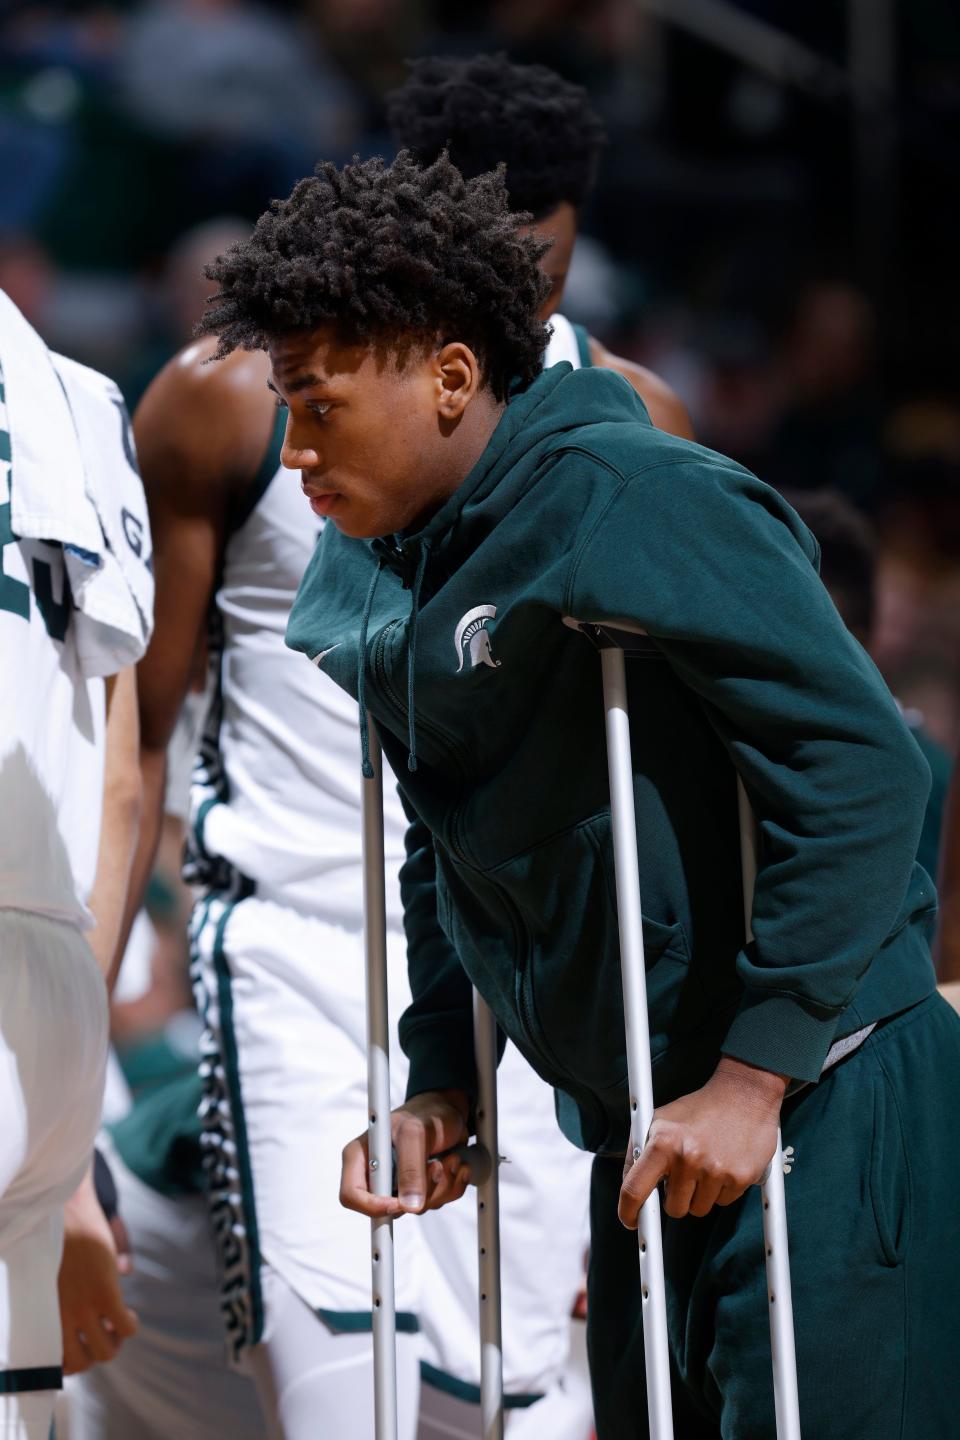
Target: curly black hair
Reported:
point(487, 110)
point(397, 252)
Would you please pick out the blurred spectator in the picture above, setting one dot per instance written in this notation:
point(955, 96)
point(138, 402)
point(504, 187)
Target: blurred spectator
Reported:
point(233, 72)
point(174, 302)
point(848, 554)
point(918, 631)
point(828, 432)
point(27, 275)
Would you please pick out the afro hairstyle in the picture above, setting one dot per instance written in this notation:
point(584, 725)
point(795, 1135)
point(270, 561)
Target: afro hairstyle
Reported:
point(398, 253)
point(486, 110)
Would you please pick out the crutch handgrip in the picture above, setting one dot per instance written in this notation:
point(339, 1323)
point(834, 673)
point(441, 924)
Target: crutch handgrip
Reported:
point(476, 1156)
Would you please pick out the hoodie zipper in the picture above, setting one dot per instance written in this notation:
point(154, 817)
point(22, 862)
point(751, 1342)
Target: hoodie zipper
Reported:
point(458, 850)
point(399, 702)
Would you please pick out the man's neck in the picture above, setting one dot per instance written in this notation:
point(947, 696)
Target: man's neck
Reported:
point(466, 444)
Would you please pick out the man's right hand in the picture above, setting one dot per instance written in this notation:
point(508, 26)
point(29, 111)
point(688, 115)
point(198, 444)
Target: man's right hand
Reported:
point(422, 1128)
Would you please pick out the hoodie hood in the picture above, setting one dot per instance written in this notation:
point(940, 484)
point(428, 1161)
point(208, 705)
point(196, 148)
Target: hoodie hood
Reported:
point(543, 420)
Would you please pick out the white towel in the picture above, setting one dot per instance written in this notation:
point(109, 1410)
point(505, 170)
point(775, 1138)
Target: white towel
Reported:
point(115, 598)
point(74, 481)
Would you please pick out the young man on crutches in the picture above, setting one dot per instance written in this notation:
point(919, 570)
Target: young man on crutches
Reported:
point(475, 505)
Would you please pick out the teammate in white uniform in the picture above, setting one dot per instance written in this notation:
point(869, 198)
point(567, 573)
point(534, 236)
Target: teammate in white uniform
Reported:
point(70, 615)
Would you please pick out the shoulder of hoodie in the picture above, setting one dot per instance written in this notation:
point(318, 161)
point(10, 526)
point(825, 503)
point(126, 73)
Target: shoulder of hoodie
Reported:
point(627, 444)
point(666, 470)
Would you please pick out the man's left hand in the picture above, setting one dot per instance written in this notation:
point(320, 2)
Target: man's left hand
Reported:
point(710, 1146)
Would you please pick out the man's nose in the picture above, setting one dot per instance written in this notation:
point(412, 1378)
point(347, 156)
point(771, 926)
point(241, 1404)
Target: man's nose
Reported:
point(294, 456)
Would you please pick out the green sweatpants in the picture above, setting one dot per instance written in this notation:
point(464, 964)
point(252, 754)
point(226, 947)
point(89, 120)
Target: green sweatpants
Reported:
point(873, 1205)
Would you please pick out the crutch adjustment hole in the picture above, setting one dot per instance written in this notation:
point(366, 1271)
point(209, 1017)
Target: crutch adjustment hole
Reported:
point(483, 1297)
point(376, 1303)
point(646, 1293)
point(376, 1257)
point(643, 1247)
point(769, 1250)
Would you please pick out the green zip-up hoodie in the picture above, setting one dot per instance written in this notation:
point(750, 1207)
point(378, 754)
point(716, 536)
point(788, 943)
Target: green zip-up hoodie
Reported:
point(579, 507)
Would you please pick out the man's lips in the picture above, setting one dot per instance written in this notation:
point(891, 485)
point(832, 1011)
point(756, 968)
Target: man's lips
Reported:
point(323, 502)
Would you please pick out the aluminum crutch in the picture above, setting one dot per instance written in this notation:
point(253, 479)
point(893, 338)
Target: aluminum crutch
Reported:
point(611, 640)
point(378, 1096)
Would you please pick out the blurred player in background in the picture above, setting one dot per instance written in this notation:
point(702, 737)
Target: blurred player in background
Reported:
point(486, 111)
point(75, 613)
point(848, 565)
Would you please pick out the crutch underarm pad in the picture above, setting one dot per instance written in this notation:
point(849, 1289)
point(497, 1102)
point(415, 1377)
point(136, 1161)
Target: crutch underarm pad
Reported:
point(781, 1033)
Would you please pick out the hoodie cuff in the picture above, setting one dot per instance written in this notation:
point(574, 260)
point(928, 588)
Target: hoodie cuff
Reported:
point(782, 1034)
point(441, 1058)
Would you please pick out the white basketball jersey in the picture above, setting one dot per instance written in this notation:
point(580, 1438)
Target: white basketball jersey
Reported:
point(51, 729)
point(567, 342)
point(275, 797)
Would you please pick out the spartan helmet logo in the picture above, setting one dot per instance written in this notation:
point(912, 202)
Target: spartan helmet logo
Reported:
point(472, 638)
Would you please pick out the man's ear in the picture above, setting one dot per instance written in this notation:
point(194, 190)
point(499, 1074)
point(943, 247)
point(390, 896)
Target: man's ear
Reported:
point(457, 377)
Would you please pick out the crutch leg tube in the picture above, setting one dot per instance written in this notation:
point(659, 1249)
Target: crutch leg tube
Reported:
point(772, 1196)
point(378, 1098)
point(483, 1157)
point(488, 1224)
point(640, 1078)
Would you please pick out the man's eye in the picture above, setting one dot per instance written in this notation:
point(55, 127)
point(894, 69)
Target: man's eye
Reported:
point(318, 407)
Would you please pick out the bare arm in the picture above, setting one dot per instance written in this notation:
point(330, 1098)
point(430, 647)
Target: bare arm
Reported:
point(201, 432)
point(667, 410)
point(122, 794)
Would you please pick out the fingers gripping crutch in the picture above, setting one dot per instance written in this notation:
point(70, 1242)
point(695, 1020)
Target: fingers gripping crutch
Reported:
point(378, 1098)
point(773, 1197)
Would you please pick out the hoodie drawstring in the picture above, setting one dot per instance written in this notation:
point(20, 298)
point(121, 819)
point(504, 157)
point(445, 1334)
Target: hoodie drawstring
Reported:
point(412, 658)
point(365, 764)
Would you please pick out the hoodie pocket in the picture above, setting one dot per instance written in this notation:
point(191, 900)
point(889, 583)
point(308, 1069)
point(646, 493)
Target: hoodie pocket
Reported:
point(569, 990)
point(889, 1174)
